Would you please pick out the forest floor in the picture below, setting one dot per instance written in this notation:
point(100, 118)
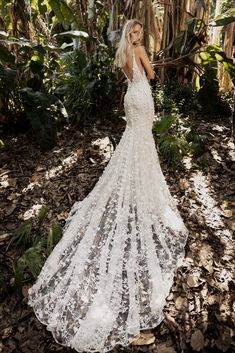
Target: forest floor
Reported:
point(200, 311)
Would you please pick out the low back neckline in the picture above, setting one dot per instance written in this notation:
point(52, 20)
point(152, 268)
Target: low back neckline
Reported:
point(133, 63)
point(134, 60)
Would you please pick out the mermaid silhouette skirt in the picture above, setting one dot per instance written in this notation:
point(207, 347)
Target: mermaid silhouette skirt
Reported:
point(109, 275)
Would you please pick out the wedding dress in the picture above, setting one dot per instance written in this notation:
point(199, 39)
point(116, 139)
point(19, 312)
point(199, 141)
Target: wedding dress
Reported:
point(109, 275)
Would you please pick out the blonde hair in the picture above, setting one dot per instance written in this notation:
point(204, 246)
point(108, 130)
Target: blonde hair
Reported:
point(125, 44)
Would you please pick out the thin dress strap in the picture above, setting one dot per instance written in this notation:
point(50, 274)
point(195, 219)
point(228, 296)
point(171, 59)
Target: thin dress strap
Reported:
point(133, 56)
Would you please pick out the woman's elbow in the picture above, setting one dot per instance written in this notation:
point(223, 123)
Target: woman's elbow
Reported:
point(151, 75)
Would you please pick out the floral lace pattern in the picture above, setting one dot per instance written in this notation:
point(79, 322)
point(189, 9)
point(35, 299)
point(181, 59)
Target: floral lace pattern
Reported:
point(108, 276)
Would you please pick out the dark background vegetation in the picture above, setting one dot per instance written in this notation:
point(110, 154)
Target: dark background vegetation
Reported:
point(59, 94)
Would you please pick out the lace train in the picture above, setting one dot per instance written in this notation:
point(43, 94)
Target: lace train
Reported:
point(110, 274)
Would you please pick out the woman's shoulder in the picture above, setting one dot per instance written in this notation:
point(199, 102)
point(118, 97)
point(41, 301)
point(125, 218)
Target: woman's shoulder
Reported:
point(139, 49)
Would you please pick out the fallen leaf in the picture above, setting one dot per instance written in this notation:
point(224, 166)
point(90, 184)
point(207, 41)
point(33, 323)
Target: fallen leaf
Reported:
point(170, 297)
point(231, 225)
point(12, 182)
point(197, 340)
point(40, 168)
point(144, 339)
point(224, 341)
point(35, 178)
point(181, 303)
point(193, 281)
point(10, 210)
point(206, 257)
point(228, 213)
point(4, 237)
point(183, 184)
point(7, 332)
point(163, 348)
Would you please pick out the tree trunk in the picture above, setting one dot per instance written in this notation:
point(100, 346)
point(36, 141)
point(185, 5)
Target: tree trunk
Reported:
point(228, 46)
point(217, 30)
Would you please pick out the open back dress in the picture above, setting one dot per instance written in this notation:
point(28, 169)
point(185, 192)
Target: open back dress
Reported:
point(109, 275)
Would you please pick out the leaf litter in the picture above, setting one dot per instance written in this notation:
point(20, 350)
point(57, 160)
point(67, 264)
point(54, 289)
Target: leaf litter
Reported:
point(200, 309)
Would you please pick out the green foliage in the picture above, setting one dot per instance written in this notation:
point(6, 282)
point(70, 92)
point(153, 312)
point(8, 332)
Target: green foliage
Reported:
point(22, 236)
point(175, 141)
point(6, 56)
point(33, 259)
point(226, 5)
point(90, 84)
point(173, 148)
point(36, 246)
point(75, 34)
point(174, 135)
point(225, 18)
point(37, 106)
point(208, 84)
point(26, 88)
point(175, 98)
point(184, 96)
point(188, 41)
point(64, 14)
point(53, 237)
point(193, 40)
point(196, 143)
point(163, 125)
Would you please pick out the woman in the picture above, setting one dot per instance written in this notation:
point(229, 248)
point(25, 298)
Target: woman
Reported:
point(110, 274)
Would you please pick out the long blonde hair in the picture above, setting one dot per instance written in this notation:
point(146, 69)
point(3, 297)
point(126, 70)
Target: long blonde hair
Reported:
point(125, 44)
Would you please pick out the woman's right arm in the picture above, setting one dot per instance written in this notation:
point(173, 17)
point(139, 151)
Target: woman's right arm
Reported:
point(145, 61)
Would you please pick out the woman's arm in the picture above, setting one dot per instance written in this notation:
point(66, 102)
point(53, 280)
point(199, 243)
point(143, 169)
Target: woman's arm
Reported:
point(140, 50)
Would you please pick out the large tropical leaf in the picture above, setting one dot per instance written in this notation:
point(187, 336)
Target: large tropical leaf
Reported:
point(4, 34)
point(37, 107)
point(163, 125)
point(173, 148)
point(33, 259)
point(6, 56)
point(75, 34)
point(7, 78)
point(22, 236)
point(224, 19)
point(63, 12)
point(53, 237)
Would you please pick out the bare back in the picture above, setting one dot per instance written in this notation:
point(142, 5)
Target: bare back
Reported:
point(129, 64)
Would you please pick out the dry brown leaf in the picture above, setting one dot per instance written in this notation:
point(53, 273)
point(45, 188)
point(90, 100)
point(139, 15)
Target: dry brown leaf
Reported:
point(12, 196)
point(144, 339)
point(40, 168)
point(197, 340)
point(35, 178)
point(183, 184)
point(181, 303)
point(206, 257)
point(62, 216)
point(10, 210)
point(12, 182)
point(4, 237)
point(163, 348)
point(7, 332)
point(231, 225)
point(79, 152)
point(170, 297)
point(228, 213)
point(193, 280)
point(224, 341)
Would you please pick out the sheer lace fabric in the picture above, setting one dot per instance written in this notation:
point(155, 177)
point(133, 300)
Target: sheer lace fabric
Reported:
point(110, 273)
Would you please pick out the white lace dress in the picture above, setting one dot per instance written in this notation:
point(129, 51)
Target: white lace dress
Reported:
point(110, 274)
